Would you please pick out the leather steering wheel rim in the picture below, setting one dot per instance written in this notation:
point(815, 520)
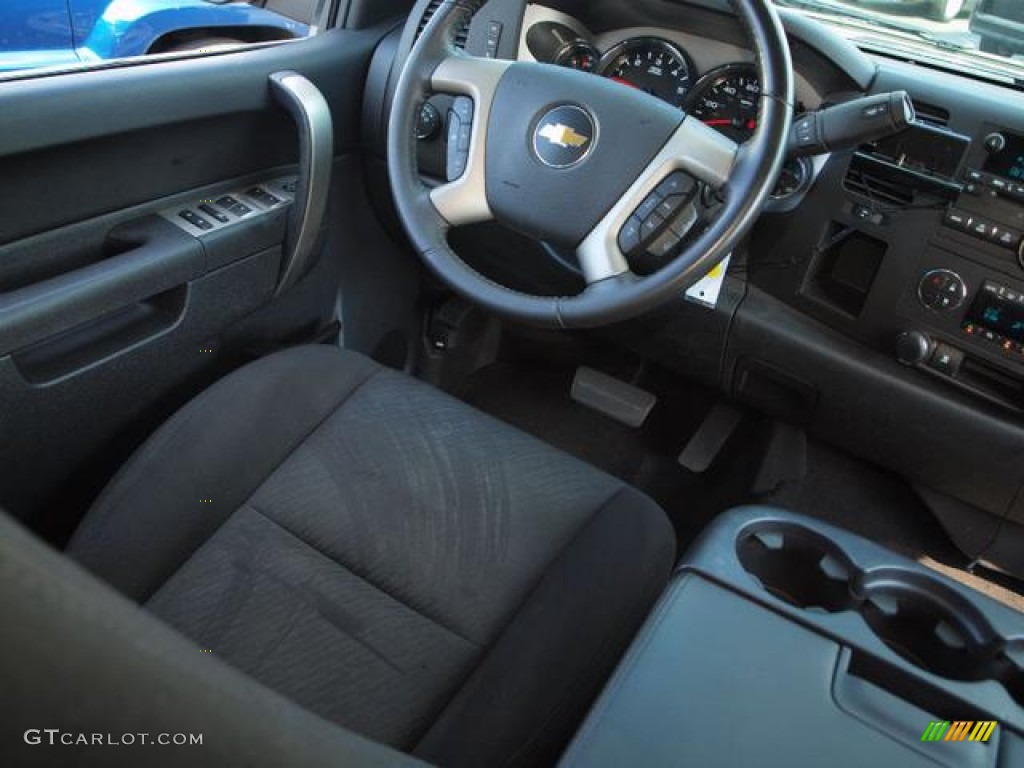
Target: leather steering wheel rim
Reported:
point(435, 65)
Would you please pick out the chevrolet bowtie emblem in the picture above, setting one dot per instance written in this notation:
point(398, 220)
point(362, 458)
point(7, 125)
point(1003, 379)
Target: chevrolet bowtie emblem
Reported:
point(563, 135)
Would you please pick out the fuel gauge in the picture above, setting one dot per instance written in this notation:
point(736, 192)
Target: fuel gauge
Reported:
point(554, 43)
point(580, 55)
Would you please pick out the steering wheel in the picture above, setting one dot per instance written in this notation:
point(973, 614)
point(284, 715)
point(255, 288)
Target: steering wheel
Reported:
point(580, 161)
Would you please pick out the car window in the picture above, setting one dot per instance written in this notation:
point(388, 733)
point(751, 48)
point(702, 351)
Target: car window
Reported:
point(985, 37)
point(49, 34)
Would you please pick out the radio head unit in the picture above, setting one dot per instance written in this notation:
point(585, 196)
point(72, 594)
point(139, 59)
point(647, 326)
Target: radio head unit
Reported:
point(1009, 161)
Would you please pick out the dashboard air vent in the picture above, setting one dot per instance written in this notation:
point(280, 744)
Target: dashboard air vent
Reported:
point(460, 38)
point(876, 187)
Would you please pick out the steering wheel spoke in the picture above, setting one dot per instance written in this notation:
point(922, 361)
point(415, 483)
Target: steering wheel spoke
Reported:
point(695, 149)
point(463, 200)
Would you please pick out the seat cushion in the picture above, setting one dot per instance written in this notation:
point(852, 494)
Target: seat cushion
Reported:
point(384, 555)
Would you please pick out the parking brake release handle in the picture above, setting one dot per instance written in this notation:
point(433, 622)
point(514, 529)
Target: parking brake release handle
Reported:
point(312, 116)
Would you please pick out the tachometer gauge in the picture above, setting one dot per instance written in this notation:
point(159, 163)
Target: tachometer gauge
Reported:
point(653, 65)
point(728, 99)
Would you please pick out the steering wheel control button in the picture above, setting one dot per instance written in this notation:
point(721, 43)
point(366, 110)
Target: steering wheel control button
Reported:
point(678, 183)
point(629, 237)
point(648, 206)
point(428, 125)
point(664, 244)
point(564, 137)
point(652, 226)
point(460, 132)
point(670, 206)
point(942, 290)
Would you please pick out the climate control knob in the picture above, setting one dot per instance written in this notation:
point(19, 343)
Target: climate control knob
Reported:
point(942, 290)
point(913, 348)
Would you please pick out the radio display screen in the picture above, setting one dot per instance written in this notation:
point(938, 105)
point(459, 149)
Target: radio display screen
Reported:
point(1009, 163)
point(999, 309)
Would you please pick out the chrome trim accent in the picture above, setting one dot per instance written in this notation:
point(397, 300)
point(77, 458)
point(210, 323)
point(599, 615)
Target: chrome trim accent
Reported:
point(312, 116)
point(700, 151)
point(464, 201)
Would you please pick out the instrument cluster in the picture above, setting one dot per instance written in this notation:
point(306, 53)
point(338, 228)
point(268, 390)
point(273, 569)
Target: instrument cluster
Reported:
point(726, 98)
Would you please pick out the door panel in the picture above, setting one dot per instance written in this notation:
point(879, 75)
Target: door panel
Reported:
point(111, 315)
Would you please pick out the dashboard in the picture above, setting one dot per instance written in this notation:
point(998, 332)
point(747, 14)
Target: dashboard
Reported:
point(879, 301)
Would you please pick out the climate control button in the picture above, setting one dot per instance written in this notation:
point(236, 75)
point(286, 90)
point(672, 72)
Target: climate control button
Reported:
point(942, 290)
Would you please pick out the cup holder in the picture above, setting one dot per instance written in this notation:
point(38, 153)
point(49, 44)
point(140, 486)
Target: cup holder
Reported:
point(917, 617)
point(799, 567)
point(926, 630)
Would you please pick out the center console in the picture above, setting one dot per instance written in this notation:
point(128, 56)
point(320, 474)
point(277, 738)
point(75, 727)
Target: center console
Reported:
point(969, 312)
point(785, 641)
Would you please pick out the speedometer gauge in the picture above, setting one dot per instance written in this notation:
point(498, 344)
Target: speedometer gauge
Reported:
point(728, 99)
point(652, 65)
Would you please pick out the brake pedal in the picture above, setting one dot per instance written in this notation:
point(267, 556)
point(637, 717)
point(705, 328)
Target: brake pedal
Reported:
point(616, 399)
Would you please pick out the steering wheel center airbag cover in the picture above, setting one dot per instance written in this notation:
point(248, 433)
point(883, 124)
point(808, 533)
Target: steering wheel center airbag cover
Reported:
point(563, 147)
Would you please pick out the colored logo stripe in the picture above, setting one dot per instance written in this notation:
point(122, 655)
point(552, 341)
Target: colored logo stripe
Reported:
point(959, 730)
point(982, 731)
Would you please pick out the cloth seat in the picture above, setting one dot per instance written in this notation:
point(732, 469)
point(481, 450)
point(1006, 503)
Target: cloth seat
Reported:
point(384, 556)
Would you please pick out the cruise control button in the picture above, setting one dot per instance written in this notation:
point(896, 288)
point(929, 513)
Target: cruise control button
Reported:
point(629, 237)
point(651, 226)
point(664, 245)
point(648, 206)
point(677, 183)
point(670, 206)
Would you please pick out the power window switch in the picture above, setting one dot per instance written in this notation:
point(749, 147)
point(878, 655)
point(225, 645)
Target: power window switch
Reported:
point(213, 213)
point(195, 219)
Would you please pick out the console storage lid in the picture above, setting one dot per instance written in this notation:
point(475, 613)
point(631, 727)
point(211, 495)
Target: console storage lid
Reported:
point(785, 641)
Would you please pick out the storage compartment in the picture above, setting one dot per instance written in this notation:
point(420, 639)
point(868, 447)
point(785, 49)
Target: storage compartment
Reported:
point(845, 269)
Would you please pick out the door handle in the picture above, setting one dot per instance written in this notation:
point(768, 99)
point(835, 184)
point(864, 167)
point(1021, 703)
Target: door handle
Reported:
point(312, 116)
